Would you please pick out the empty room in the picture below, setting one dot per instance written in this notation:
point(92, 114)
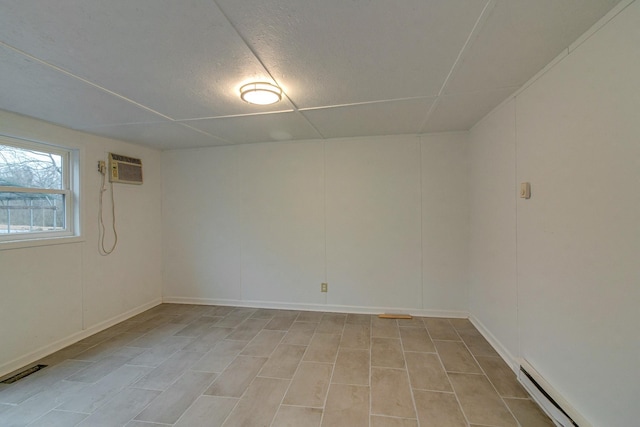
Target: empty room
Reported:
point(412, 213)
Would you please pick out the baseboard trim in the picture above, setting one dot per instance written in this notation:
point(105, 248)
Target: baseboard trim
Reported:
point(505, 354)
point(316, 307)
point(15, 364)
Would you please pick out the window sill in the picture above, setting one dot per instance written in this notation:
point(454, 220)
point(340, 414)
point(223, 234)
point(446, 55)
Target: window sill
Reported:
point(50, 241)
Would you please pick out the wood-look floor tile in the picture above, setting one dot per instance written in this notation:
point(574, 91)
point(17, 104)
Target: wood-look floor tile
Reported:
point(66, 353)
point(356, 336)
point(156, 336)
point(352, 367)
point(456, 358)
point(347, 406)
point(358, 319)
point(384, 328)
point(58, 419)
point(300, 333)
point(309, 385)
point(437, 409)
point(260, 403)
point(426, 372)
point(107, 365)
point(235, 318)
point(309, 316)
point(108, 347)
point(247, 329)
point(136, 423)
point(156, 355)
point(462, 324)
point(235, 379)
point(280, 323)
point(38, 405)
point(264, 343)
point(331, 323)
point(380, 421)
point(40, 381)
point(323, 348)
point(480, 402)
point(220, 356)
point(477, 344)
point(155, 366)
point(416, 339)
point(391, 393)
point(441, 329)
point(210, 411)
point(121, 408)
point(387, 353)
point(92, 397)
point(169, 371)
point(414, 322)
point(283, 362)
point(173, 402)
point(297, 416)
point(220, 310)
point(528, 413)
point(502, 377)
point(287, 313)
point(198, 327)
point(264, 313)
point(208, 340)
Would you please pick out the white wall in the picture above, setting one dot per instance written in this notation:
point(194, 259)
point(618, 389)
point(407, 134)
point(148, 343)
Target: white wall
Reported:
point(267, 223)
point(492, 243)
point(578, 237)
point(54, 295)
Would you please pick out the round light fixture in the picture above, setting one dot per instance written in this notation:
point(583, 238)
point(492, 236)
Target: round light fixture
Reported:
point(260, 93)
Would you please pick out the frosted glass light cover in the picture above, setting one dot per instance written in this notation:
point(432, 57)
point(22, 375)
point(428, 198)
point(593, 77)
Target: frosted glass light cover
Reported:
point(260, 93)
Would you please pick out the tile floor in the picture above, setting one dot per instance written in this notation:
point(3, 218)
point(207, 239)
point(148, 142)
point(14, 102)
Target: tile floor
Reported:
point(190, 365)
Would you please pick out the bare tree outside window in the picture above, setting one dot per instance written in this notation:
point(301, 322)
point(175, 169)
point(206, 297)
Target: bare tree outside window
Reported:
point(23, 208)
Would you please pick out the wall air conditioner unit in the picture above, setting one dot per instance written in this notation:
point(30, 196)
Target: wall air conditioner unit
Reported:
point(123, 169)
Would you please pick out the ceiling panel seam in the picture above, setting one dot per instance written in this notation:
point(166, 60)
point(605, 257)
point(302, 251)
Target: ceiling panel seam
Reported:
point(473, 35)
point(264, 66)
point(85, 81)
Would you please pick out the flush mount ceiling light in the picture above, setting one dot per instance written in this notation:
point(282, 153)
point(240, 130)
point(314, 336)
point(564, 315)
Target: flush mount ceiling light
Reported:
point(260, 93)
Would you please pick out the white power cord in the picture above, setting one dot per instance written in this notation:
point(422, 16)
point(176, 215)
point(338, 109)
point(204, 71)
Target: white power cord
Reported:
point(101, 230)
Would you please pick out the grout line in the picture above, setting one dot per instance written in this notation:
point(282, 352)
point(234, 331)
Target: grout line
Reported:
point(406, 370)
point(333, 369)
point(449, 379)
point(255, 54)
point(294, 375)
point(491, 383)
point(421, 229)
point(94, 85)
point(484, 15)
point(370, 368)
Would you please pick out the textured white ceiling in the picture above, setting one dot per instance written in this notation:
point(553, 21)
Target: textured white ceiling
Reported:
point(166, 73)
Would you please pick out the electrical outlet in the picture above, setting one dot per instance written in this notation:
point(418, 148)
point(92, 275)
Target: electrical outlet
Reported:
point(323, 287)
point(102, 167)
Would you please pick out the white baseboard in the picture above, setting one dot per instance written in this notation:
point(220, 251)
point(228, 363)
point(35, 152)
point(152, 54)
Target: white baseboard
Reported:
point(48, 349)
point(496, 344)
point(317, 307)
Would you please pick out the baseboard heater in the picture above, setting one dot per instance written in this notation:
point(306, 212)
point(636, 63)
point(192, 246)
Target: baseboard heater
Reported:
point(560, 411)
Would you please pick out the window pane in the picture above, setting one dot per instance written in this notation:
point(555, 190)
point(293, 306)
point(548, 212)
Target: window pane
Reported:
point(20, 167)
point(31, 212)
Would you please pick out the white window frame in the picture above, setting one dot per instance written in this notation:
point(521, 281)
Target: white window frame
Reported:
point(70, 190)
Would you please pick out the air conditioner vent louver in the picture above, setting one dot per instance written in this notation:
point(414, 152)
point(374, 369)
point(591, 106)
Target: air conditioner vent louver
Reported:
point(123, 169)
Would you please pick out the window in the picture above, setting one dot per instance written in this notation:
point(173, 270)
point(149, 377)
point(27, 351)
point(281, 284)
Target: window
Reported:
point(36, 191)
